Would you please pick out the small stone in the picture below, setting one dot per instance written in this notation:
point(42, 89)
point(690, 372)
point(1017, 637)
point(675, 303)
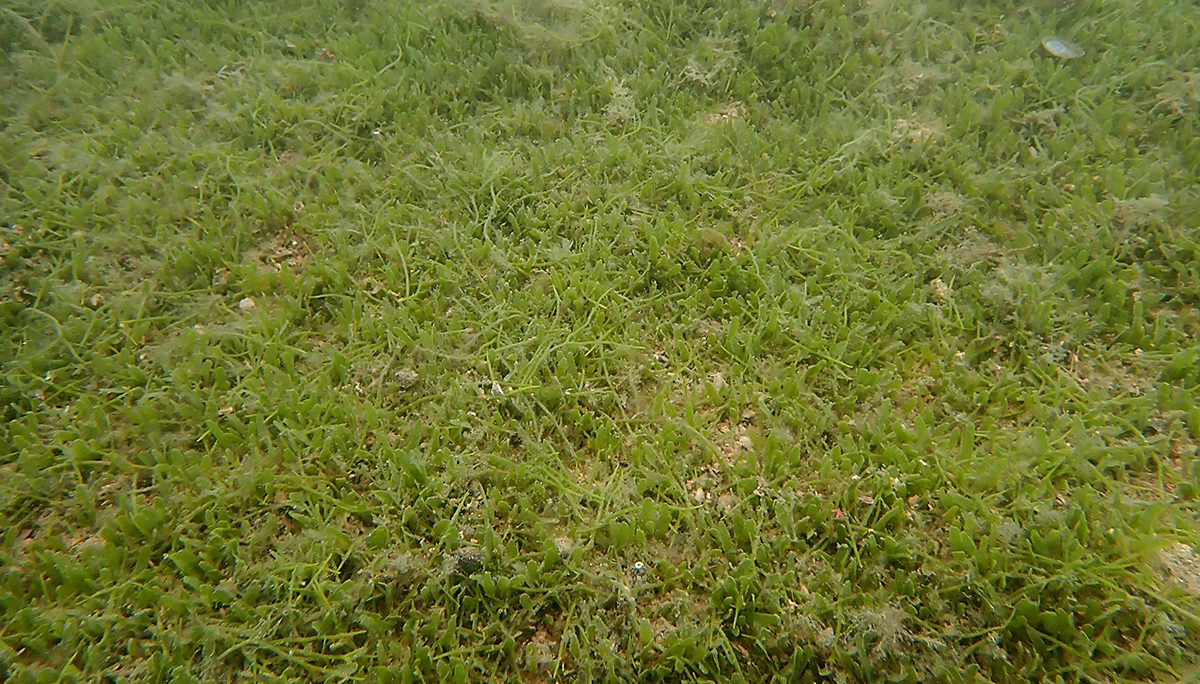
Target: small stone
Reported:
point(468, 560)
point(727, 502)
point(246, 304)
point(403, 570)
point(1183, 565)
point(939, 291)
point(826, 638)
point(718, 381)
point(407, 378)
point(564, 546)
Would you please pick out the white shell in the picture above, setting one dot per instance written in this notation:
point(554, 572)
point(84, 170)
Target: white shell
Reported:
point(1061, 48)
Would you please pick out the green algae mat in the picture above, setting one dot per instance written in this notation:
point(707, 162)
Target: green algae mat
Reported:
point(599, 341)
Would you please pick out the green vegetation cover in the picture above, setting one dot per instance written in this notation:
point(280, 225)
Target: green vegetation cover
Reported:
point(599, 341)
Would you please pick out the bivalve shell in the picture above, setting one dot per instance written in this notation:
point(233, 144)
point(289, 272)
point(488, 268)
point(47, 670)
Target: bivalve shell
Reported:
point(1061, 48)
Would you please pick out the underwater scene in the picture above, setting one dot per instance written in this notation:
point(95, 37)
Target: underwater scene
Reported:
point(599, 341)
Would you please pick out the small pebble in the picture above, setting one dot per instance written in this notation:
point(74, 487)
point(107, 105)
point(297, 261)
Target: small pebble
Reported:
point(468, 560)
point(246, 304)
point(406, 378)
